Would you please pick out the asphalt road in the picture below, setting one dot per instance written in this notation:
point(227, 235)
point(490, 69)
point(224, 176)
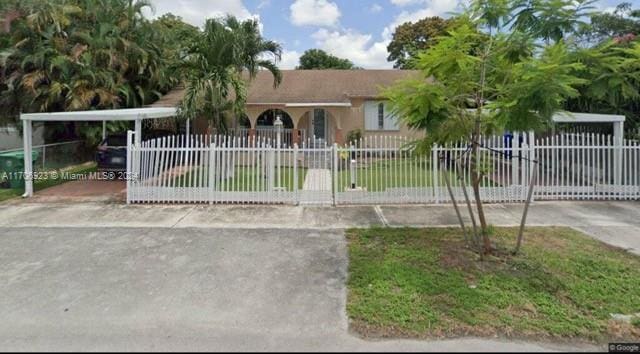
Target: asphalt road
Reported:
point(186, 289)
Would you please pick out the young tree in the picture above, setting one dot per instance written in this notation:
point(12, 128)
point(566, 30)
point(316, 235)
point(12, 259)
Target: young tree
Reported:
point(319, 59)
point(550, 20)
point(499, 85)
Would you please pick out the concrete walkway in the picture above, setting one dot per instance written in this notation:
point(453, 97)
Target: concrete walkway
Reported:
point(116, 277)
point(317, 179)
point(617, 223)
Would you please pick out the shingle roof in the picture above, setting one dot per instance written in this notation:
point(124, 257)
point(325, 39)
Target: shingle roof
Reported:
point(322, 86)
point(311, 86)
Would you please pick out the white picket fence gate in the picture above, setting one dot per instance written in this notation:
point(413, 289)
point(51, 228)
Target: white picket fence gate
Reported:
point(377, 170)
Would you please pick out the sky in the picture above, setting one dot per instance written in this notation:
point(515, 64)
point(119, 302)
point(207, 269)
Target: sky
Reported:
point(358, 30)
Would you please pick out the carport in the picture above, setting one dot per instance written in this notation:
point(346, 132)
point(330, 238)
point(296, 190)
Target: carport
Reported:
point(132, 114)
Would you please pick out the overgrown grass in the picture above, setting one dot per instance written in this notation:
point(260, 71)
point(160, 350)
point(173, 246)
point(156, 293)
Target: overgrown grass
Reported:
point(40, 184)
point(423, 283)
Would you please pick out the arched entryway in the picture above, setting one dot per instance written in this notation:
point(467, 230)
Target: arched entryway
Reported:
point(320, 123)
point(268, 117)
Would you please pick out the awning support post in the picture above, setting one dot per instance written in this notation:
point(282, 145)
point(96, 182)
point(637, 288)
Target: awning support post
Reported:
point(138, 130)
point(618, 137)
point(28, 158)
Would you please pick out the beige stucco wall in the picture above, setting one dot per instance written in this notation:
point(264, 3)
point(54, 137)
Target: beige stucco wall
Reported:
point(355, 120)
point(341, 120)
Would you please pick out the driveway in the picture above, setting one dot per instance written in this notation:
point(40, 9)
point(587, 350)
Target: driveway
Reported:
point(194, 282)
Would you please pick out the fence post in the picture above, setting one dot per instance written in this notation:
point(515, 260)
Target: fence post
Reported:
point(271, 169)
point(129, 164)
point(618, 137)
point(434, 174)
point(524, 168)
point(295, 175)
point(532, 162)
point(515, 159)
point(212, 170)
point(334, 174)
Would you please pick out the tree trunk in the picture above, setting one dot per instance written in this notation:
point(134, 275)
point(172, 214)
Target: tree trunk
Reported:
point(476, 177)
point(523, 222)
point(476, 239)
point(443, 166)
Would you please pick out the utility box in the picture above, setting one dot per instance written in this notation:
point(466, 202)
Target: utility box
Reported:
point(12, 163)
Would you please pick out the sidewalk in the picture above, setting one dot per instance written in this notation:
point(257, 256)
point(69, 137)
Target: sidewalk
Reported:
point(617, 223)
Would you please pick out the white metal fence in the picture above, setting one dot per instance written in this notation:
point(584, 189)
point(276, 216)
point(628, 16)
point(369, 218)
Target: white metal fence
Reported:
point(587, 166)
point(377, 170)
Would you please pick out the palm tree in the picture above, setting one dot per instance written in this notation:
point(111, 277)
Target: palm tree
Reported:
point(215, 65)
point(68, 55)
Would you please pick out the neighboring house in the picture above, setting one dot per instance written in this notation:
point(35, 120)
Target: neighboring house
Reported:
point(327, 104)
point(11, 137)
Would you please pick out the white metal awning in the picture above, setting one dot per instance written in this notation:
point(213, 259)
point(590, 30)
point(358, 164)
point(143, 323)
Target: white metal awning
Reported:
point(571, 117)
point(129, 114)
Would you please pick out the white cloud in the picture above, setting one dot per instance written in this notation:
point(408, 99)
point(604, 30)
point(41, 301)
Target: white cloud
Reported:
point(363, 49)
point(290, 59)
point(196, 12)
point(315, 12)
point(357, 47)
point(434, 8)
point(405, 2)
point(375, 8)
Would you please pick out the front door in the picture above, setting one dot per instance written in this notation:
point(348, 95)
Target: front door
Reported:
point(319, 124)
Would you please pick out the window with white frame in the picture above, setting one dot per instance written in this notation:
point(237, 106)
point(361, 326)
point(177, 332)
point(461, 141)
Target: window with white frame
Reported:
point(378, 117)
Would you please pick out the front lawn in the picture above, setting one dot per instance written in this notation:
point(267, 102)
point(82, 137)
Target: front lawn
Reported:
point(245, 179)
point(379, 176)
point(423, 283)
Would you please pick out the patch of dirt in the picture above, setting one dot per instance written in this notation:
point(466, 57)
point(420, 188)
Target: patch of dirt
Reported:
point(455, 255)
point(621, 331)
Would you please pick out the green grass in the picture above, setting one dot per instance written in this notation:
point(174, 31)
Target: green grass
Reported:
point(382, 175)
point(40, 184)
point(423, 283)
point(247, 179)
point(6, 194)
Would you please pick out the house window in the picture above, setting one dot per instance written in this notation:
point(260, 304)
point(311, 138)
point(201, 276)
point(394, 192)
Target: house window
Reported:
point(377, 118)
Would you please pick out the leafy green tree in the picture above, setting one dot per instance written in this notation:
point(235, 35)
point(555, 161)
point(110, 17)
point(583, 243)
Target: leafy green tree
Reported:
point(604, 26)
point(411, 38)
point(218, 64)
point(465, 92)
point(613, 70)
point(550, 20)
point(65, 55)
point(319, 59)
